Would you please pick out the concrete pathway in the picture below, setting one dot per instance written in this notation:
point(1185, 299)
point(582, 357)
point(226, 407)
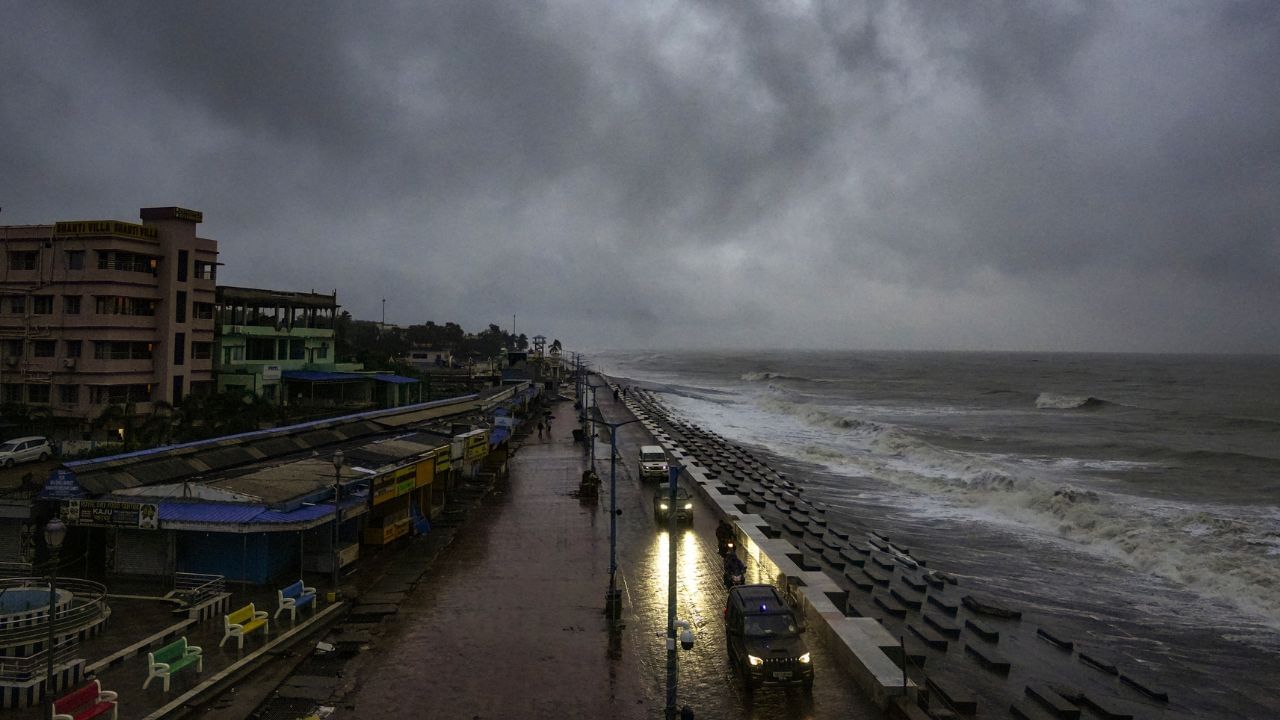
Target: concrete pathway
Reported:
point(509, 620)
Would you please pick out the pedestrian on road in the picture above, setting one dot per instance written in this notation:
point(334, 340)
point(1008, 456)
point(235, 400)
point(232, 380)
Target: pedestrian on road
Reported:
point(539, 429)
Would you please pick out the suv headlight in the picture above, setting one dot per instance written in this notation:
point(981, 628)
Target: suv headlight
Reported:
point(663, 506)
point(804, 658)
point(688, 506)
point(755, 661)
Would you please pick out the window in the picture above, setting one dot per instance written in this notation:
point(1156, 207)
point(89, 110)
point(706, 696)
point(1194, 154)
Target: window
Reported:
point(69, 394)
point(38, 393)
point(73, 348)
point(206, 270)
point(182, 265)
point(297, 349)
point(201, 351)
point(44, 348)
point(75, 259)
point(122, 350)
point(23, 259)
point(18, 304)
point(177, 390)
point(13, 348)
point(323, 352)
point(117, 305)
point(260, 349)
point(180, 307)
point(202, 388)
point(179, 348)
point(12, 392)
point(42, 305)
point(126, 261)
point(282, 349)
point(119, 394)
point(202, 311)
point(71, 304)
point(235, 353)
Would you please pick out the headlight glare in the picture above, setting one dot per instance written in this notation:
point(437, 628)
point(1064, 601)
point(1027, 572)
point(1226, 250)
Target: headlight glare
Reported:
point(755, 661)
point(804, 658)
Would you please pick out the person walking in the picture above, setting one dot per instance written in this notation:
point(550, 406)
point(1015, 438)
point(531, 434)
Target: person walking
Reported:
point(539, 429)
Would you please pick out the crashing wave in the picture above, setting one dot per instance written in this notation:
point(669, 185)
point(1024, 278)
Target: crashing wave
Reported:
point(814, 415)
point(1054, 401)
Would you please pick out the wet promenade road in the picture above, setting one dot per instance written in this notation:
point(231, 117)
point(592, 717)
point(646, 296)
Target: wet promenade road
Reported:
point(508, 623)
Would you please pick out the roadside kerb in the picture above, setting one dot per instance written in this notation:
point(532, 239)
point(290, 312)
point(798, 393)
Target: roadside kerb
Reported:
point(858, 644)
point(189, 697)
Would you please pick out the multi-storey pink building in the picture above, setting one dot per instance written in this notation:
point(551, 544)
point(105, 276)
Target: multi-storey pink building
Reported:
point(95, 313)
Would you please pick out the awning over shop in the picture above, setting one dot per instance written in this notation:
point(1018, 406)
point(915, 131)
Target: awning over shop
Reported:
point(238, 518)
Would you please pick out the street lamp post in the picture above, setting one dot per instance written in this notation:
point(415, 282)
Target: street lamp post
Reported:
point(337, 515)
point(686, 639)
point(54, 533)
point(612, 603)
point(592, 438)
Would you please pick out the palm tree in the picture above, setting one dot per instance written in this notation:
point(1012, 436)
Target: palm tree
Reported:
point(122, 417)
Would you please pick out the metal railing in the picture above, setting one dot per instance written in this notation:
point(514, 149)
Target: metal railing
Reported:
point(15, 570)
point(88, 606)
point(195, 588)
point(14, 670)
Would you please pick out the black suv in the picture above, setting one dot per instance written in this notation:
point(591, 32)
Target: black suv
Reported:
point(764, 638)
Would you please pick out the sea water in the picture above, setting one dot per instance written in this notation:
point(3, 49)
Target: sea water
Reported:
point(1136, 496)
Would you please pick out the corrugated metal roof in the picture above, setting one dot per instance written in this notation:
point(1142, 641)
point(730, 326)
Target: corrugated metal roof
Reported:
point(317, 438)
point(211, 513)
point(274, 447)
point(397, 379)
point(423, 415)
point(225, 457)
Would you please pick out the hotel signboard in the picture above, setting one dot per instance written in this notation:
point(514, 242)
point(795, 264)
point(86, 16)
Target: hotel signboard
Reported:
point(105, 227)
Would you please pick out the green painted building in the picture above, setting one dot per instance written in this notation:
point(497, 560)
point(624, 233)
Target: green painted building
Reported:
point(281, 346)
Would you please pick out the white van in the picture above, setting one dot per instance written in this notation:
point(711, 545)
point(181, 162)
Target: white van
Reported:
point(24, 449)
point(653, 463)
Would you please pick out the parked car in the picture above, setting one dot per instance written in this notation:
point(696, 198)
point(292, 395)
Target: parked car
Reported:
point(662, 509)
point(24, 449)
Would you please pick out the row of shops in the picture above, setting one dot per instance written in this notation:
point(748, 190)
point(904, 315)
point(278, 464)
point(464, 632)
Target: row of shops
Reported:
point(260, 507)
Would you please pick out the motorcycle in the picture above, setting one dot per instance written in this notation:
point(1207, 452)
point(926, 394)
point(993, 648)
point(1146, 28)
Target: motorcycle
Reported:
point(735, 572)
point(726, 546)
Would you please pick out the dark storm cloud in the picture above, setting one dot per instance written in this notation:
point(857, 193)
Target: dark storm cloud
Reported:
point(1074, 175)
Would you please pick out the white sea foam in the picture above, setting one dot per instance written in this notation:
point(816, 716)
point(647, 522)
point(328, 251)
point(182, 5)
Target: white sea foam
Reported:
point(1055, 401)
point(1223, 552)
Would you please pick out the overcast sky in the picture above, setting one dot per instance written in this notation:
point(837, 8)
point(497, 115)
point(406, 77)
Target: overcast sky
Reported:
point(923, 175)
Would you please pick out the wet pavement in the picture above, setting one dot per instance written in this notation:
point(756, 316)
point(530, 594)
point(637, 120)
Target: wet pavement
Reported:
point(508, 621)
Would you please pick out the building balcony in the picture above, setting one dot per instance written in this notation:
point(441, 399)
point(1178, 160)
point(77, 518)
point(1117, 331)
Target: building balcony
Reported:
point(271, 331)
point(144, 368)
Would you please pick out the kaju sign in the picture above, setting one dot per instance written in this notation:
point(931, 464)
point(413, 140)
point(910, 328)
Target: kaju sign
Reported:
point(111, 513)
